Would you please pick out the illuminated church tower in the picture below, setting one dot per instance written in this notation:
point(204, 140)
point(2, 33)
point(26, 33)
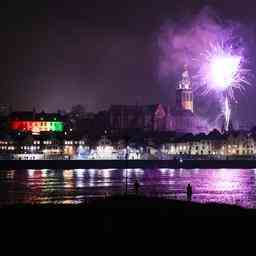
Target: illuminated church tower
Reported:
point(184, 94)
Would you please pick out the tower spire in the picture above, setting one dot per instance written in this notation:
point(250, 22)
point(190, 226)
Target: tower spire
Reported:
point(184, 92)
point(185, 82)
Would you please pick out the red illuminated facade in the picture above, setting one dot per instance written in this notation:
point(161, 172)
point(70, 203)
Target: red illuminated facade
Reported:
point(36, 123)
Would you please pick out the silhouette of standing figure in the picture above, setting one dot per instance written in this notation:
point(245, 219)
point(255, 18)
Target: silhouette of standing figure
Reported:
point(189, 192)
point(136, 187)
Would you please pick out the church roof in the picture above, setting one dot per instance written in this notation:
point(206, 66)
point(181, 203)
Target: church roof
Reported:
point(147, 109)
point(182, 112)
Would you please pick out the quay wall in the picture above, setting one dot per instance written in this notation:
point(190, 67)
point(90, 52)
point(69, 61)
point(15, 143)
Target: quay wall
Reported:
point(122, 164)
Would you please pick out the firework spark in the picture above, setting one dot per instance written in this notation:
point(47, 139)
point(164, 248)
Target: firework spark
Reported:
point(222, 71)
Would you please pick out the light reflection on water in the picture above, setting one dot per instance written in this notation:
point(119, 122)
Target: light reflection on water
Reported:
point(74, 186)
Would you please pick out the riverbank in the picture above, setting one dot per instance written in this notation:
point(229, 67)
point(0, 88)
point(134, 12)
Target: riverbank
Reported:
point(139, 208)
point(122, 164)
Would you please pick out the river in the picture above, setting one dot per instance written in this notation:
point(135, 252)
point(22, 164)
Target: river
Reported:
point(232, 186)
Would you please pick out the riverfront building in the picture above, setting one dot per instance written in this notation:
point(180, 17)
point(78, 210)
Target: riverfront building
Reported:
point(214, 145)
point(36, 122)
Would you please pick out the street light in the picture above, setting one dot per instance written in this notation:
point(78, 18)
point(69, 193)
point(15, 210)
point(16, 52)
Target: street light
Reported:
point(126, 174)
point(126, 165)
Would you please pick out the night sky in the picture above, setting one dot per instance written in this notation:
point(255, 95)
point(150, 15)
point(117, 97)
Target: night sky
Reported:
point(98, 53)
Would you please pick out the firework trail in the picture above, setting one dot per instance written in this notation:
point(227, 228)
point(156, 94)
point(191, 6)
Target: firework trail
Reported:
point(227, 113)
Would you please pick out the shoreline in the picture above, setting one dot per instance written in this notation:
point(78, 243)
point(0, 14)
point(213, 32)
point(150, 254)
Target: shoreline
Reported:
point(139, 207)
point(123, 164)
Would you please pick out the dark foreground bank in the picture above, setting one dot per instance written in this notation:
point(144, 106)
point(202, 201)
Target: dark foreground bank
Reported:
point(136, 216)
point(122, 164)
point(136, 208)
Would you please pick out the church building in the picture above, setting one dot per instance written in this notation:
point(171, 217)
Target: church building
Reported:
point(161, 117)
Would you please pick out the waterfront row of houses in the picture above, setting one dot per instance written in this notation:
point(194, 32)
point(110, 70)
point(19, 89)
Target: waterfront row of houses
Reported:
point(213, 145)
point(39, 147)
point(34, 147)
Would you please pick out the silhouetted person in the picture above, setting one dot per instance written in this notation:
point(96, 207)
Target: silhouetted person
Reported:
point(136, 187)
point(189, 192)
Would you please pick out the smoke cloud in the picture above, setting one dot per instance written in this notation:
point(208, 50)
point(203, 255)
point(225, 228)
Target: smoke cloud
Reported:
point(184, 41)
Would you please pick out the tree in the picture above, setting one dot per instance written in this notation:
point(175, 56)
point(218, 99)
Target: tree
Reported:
point(62, 112)
point(77, 112)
